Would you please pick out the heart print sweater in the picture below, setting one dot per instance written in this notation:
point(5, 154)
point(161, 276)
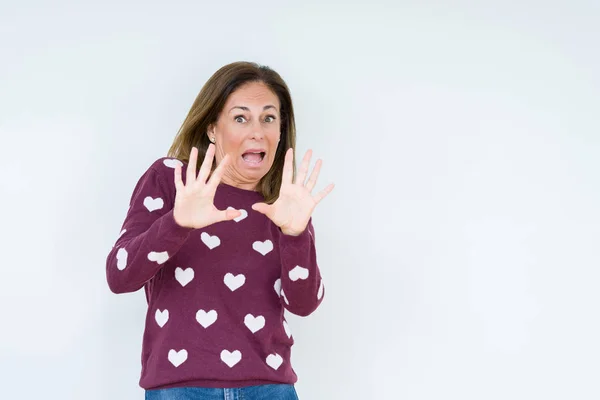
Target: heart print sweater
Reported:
point(216, 295)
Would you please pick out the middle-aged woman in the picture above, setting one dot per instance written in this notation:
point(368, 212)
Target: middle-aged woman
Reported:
point(219, 234)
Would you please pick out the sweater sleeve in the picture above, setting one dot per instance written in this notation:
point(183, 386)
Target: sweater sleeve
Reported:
point(149, 236)
point(302, 289)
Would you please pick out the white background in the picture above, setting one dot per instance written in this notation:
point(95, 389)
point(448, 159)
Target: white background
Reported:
point(460, 247)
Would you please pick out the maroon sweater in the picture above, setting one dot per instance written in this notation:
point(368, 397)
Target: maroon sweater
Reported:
point(216, 295)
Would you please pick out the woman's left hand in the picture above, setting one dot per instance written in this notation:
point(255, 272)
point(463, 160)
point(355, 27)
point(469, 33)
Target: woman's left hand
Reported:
point(294, 206)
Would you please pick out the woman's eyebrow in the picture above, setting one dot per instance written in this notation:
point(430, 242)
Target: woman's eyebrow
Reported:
point(247, 109)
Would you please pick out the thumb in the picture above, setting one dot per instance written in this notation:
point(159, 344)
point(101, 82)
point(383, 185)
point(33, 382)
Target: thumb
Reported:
point(262, 208)
point(230, 214)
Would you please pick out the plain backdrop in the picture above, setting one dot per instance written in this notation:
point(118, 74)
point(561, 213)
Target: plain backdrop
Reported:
point(459, 249)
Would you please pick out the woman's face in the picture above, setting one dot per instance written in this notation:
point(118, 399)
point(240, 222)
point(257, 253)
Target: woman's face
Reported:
point(248, 129)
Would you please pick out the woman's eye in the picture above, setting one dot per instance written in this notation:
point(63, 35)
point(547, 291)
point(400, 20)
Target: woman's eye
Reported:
point(237, 118)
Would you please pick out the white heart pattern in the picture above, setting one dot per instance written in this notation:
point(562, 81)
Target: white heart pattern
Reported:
point(253, 323)
point(234, 282)
point(274, 361)
point(121, 234)
point(178, 357)
point(231, 358)
point(184, 276)
point(172, 162)
point(160, 258)
point(284, 298)
point(241, 217)
point(298, 273)
point(286, 328)
point(210, 241)
point(121, 259)
point(161, 317)
point(320, 291)
point(277, 287)
point(263, 247)
point(153, 204)
point(206, 319)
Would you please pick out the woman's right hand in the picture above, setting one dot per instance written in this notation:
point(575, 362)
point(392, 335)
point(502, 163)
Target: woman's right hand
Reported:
point(194, 202)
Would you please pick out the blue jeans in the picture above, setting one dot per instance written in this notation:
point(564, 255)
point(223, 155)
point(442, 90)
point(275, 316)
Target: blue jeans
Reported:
point(260, 392)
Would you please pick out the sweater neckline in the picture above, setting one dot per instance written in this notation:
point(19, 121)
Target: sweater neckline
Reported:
point(245, 192)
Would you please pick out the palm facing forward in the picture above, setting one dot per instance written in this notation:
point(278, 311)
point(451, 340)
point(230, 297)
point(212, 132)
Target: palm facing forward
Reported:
point(295, 204)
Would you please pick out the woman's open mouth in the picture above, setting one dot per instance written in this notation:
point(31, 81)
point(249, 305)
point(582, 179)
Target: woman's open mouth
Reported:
point(253, 157)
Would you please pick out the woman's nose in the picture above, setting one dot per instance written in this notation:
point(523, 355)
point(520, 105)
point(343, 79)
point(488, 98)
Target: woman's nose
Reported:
point(257, 131)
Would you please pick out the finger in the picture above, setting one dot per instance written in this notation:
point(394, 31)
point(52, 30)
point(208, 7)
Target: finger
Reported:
point(262, 208)
point(304, 168)
point(230, 214)
point(216, 176)
point(288, 167)
point(206, 163)
point(190, 175)
point(178, 181)
point(321, 195)
point(312, 180)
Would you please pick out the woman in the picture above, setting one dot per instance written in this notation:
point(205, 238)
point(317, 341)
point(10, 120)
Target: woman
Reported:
point(222, 249)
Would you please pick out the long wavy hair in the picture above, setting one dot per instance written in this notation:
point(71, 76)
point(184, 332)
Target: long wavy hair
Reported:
point(210, 102)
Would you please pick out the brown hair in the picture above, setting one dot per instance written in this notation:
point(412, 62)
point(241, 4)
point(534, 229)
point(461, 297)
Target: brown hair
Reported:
point(209, 104)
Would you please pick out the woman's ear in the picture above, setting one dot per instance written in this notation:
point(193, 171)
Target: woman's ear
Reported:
point(210, 132)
